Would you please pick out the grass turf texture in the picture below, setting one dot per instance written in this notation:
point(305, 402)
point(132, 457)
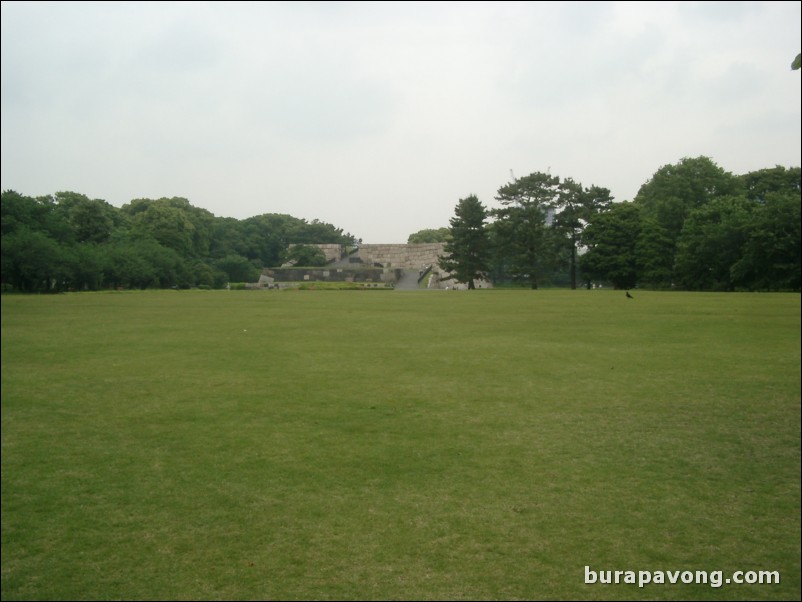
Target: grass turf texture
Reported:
point(397, 445)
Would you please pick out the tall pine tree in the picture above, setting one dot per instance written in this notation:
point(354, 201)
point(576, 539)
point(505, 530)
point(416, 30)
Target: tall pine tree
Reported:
point(466, 252)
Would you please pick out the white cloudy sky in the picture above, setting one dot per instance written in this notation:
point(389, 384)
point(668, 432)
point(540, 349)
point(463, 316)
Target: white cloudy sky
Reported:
point(378, 117)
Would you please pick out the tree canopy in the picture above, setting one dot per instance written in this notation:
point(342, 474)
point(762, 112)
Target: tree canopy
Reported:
point(70, 242)
point(429, 235)
point(466, 250)
point(522, 232)
point(692, 225)
point(698, 227)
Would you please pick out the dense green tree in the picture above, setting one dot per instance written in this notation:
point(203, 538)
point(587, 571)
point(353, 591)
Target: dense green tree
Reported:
point(17, 211)
point(574, 207)
point(40, 214)
point(144, 263)
point(306, 256)
point(227, 238)
point(237, 268)
point(498, 264)
point(87, 270)
point(428, 236)
point(675, 190)
point(166, 224)
point(137, 206)
point(126, 265)
point(772, 255)
point(91, 220)
point(318, 232)
point(611, 241)
point(174, 223)
point(654, 253)
point(89, 244)
point(45, 241)
point(758, 184)
point(266, 237)
point(202, 224)
point(521, 228)
point(33, 262)
point(204, 275)
point(711, 242)
point(466, 252)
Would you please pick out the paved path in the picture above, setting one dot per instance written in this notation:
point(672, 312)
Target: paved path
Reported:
point(408, 281)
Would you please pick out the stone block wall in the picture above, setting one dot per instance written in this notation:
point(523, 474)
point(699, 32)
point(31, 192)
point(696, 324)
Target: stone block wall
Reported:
point(278, 275)
point(408, 257)
point(393, 258)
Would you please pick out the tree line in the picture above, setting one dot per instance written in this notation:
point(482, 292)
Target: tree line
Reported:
point(68, 241)
point(692, 226)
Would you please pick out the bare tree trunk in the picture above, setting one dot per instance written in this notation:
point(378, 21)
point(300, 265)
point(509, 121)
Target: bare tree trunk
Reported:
point(573, 266)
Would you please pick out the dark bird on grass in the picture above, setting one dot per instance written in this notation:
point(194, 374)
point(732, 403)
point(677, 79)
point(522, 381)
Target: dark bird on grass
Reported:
point(629, 296)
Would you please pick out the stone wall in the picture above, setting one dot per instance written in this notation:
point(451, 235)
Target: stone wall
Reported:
point(277, 275)
point(392, 258)
point(408, 257)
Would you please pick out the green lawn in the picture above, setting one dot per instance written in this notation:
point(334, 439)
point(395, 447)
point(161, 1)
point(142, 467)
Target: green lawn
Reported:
point(398, 445)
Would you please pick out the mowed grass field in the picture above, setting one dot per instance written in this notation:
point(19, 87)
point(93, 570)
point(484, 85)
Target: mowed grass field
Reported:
point(371, 445)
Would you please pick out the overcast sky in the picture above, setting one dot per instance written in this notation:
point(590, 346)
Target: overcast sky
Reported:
point(378, 117)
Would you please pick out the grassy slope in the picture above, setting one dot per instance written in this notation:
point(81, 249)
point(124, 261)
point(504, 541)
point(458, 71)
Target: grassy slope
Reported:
point(407, 445)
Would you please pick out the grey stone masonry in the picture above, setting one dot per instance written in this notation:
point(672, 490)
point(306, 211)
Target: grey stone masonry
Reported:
point(413, 258)
point(365, 274)
point(408, 257)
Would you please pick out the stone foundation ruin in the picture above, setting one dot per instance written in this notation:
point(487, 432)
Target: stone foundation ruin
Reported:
point(396, 266)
